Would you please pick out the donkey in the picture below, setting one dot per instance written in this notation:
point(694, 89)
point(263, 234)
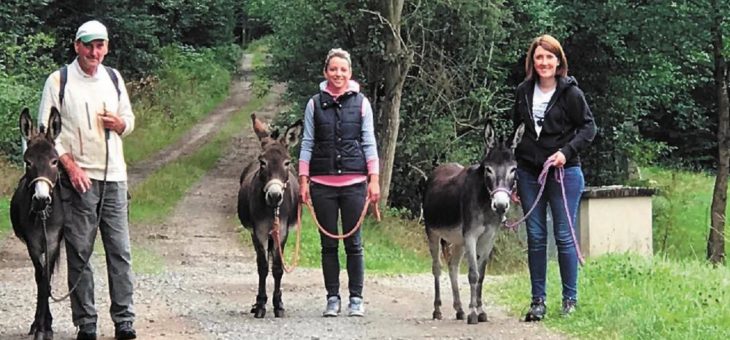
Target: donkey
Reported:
point(36, 212)
point(269, 189)
point(463, 208)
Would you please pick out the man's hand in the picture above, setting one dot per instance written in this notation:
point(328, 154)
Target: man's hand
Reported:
point(113, 122)
point(79, 180)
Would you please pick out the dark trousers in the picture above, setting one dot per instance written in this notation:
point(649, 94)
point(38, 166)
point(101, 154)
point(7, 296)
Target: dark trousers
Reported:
point(80, 233)
point(329, 202)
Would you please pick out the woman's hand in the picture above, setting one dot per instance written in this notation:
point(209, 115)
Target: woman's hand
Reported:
point(304, 189)
point(374, 188)
point(558, 159)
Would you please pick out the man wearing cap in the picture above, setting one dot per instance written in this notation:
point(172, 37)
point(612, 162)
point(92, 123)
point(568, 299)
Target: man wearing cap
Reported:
point(95, 114)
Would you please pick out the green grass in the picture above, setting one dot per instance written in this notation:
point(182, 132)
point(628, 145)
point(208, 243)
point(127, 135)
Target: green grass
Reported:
point(155, 197)
point(4, 216)
point(681, 216)
point(392, 246)
point(623, 296)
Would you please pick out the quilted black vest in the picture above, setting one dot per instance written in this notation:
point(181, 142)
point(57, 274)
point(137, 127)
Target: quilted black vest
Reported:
point(338, 135)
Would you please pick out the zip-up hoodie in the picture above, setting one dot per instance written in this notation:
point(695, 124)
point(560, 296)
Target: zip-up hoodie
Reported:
point(568, 125)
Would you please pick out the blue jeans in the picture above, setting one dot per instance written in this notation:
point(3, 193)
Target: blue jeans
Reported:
point(537, 233)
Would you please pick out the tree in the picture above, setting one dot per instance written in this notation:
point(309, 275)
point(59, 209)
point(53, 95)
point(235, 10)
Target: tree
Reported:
point(398, 60)
point(716, 239)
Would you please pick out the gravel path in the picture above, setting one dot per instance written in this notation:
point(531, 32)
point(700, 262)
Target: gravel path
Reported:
point(209, 282)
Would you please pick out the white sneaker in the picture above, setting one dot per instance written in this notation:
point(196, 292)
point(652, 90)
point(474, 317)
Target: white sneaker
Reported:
point(356, 307)
point(333, 307)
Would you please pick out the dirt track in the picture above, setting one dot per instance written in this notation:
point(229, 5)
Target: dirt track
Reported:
point(210, 279)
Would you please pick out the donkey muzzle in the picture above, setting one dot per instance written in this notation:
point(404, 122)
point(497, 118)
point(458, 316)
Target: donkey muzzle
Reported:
point(274, 192)
point(500, 200)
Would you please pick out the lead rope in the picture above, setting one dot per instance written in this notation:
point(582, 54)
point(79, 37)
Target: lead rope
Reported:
point(542, 180)
point(351, 232)
point(276, 235)
point(44, 216)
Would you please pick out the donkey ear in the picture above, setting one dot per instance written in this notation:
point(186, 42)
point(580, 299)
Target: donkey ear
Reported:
point(291, 136)
point(54, 124)
point(26, 124)
point(518, 136)
point(260, 128)
point(489, 136)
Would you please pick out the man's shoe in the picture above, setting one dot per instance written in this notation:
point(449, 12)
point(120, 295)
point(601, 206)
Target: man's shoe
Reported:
point(537, 310)
point(124, 331)
point(87, 332)
point(569, 306)
point(333, 307)
point(356, 307)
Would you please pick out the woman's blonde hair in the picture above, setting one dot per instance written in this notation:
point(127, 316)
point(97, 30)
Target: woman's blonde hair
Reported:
point(553, 46)
point(337, 52)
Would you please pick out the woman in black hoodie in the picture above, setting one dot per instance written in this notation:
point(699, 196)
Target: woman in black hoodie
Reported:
point(558, 126)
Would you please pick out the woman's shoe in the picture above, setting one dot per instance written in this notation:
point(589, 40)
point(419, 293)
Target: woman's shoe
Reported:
point(537, 310)
point(569, 306)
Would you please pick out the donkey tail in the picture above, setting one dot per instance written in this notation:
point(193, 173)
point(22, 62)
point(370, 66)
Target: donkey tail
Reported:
point(445, 250)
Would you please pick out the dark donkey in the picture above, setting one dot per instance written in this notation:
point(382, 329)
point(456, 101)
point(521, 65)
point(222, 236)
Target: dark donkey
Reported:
point(36, 212)
point(269, 188)
point(463, 208)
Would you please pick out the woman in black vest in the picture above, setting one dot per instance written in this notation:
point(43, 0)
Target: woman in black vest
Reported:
point(338, 165)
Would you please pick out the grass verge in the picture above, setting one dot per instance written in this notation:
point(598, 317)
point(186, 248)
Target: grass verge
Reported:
point(681, 217)
point(155, 197)
point(4, 217)
point(624, 296)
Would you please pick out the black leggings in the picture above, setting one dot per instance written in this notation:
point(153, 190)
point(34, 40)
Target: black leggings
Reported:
point(329, 202)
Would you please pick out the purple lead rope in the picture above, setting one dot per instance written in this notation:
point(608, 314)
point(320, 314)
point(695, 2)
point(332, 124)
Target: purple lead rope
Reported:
point(542, 180)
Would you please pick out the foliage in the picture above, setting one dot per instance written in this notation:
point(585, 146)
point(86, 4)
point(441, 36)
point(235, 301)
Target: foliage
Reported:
point(624, 296)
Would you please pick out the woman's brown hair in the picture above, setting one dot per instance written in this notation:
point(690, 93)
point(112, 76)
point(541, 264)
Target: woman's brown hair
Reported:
point(551, 44)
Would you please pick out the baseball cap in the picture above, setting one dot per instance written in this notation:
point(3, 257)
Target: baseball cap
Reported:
point(90, 31)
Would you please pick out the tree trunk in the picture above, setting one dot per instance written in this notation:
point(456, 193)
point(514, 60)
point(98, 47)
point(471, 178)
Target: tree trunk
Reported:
point(716, 239)
point(398, 60)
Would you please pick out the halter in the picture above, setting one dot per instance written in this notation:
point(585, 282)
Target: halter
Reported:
point(50, 183)
point(273, 182)
point(500, 189)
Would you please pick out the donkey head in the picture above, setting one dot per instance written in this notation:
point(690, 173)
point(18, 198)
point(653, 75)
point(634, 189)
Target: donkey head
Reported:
point(499, 167)
point(41, 158)
point(274, 159)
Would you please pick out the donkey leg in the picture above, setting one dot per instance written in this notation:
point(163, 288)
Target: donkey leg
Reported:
point(484, 249)
point(262, 263)
point(458, 253)
point(277, 269)
point(471, 256)
point(482, 316)
point(38, 327)
point(434, 247)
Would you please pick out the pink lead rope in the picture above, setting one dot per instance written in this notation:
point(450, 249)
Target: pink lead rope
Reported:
point(542, 180)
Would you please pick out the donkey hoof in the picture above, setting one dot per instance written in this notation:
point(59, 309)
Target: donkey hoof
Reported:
point(279, 313)
point(460, 315)
point(473, 319)
point(437, 315)
point(40, 335)
point(482, 317)
point(260, 313)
